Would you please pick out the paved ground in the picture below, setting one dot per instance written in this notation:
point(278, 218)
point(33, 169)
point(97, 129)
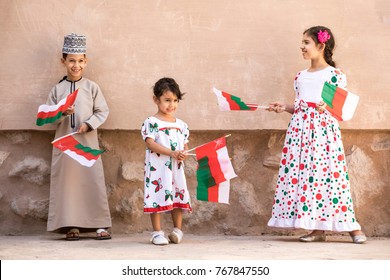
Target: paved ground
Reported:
point(214, 257)
point(194, 247)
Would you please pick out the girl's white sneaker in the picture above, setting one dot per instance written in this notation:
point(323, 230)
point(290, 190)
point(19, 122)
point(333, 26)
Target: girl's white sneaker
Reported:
point(158, 238)
point(176, 236)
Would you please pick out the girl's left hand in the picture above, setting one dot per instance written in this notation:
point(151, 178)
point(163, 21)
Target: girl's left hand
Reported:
point(178, 155)
point(182, 155)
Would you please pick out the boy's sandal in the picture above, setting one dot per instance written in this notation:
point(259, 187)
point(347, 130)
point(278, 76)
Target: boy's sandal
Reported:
point(73, 234)
point(102, 234)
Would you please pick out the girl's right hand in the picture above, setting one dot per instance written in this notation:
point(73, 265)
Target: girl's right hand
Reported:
point(276, 107)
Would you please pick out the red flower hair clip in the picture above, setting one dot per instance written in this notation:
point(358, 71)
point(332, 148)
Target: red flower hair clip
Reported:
point(323, 36)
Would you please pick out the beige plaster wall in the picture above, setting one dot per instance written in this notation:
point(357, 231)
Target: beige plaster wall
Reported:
point(249, 48)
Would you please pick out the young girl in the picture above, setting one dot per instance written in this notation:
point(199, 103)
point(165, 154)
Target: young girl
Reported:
point(166, 139)
point(313, 189)
point(78, 199)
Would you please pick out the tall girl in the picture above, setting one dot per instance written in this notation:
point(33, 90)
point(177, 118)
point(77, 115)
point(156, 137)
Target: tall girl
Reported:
point(313, 190)
point(166, 139)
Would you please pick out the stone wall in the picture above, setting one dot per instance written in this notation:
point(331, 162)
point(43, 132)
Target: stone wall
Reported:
point(25, 173)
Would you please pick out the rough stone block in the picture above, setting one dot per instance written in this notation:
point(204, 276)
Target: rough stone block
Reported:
point(381, 143)
point(3, 156)
point(131, 206)
point(19, 137)
point(27, 207)
point(133, 171)
point(272, 161)
point(32, 169)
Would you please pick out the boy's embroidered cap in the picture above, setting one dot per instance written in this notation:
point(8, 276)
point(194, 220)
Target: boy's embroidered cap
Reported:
point(75, 44)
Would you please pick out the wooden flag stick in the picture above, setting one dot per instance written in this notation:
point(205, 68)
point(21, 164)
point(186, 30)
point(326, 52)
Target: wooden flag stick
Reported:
point(202, 145)
point(258, 106)
point(63, 136)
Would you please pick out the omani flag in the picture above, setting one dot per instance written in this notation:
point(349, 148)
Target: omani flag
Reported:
point(84, 155)
point(51, 113)
point(228, 102)
point(214, 171)
point(339, 102)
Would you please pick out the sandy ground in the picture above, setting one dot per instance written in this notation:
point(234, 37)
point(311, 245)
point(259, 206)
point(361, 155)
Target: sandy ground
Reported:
point(194, 247)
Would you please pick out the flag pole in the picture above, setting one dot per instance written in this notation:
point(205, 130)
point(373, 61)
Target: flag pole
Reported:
point(187, 151)
point(55, 140)
point(258, 106)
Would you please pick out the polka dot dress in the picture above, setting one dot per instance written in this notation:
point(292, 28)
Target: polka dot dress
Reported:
point(313, 190)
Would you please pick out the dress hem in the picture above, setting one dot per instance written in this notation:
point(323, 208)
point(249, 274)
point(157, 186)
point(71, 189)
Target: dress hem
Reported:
point(151, 210)
point(314, 225)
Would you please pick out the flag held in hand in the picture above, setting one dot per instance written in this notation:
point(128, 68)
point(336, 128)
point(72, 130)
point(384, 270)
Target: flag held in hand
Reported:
point(84, 155)
point(339, 102)
point(51, 113)
point(214, 171)
point(228, 102)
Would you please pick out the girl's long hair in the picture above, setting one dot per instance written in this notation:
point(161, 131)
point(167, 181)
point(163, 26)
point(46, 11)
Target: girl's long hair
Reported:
point(329, 45)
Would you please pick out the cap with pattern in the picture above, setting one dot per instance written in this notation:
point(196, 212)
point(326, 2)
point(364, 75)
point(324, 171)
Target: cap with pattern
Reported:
point(74, 44)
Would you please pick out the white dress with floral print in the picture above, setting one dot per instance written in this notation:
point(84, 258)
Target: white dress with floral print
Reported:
point(313, 190)
point(165, 184)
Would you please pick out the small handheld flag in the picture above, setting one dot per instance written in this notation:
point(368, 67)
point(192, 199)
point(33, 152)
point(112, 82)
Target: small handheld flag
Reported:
point(339, 102)
point(214, 171)
point(228, 102)
point(84, 155)
point(51, 113)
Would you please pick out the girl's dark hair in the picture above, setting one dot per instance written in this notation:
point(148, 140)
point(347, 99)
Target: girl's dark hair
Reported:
point(167, 84)
point(329, 45)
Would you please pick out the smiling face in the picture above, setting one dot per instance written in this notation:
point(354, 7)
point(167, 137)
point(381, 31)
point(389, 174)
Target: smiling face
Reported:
point(309, 48)
point(167, 103)
point(75, 64)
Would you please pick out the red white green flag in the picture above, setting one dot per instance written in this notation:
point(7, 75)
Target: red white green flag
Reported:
point(84, 155)
point(214, 171)
point(228, 102)
point(339, 102)
point(51, 113)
